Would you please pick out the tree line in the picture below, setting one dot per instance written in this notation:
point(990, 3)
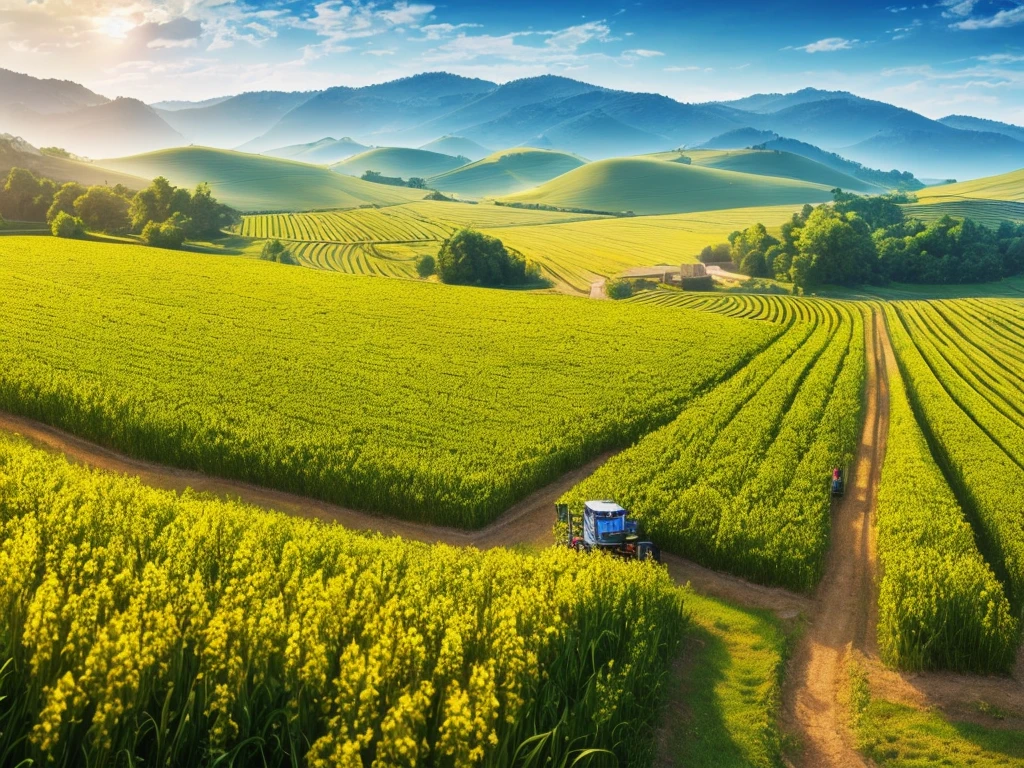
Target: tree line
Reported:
point(868, 240)
point(164, 215)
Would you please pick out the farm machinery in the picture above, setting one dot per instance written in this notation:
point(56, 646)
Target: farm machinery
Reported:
point(838, 486)
point(606, 527)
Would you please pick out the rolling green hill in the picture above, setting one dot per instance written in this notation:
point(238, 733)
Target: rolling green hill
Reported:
point(1006, 186)
point(258, 183)
point(647, 185)
point(322, 152)
point(506, 172)
point(457, 145)
point(773, 163)
point(398, 161)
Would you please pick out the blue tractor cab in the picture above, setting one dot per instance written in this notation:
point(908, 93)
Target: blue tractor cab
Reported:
point(606, 526)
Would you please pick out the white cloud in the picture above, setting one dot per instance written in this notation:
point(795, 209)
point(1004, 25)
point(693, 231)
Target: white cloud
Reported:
point(643, 53)
point(1005, 18)
point(958, 8)
point(688, 69)
point(1001, 58)
point(560, 47)
point(826, 45)
point(440, 31)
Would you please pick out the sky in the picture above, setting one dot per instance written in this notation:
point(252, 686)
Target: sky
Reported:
point(937, 58)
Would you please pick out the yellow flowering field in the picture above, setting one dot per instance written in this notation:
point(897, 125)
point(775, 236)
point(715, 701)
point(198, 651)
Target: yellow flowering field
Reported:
point(140, 627)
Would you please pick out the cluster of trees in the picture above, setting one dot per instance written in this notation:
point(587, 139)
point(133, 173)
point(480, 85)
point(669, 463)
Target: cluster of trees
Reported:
point(471, 258)
point(163, 214)
point(859, 240)
point(395, 181)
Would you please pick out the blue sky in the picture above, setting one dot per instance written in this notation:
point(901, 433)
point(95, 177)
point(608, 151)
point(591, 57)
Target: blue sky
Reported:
point(963, 56)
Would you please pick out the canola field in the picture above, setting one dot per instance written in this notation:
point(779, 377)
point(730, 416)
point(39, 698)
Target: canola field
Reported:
point(143, 627)
point(424, 401)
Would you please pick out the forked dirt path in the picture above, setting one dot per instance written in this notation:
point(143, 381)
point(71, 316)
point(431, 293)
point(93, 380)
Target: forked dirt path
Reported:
point(529, 522)
point(843, 602)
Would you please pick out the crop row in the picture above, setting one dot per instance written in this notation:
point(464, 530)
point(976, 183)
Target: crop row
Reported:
point(974, 441)
point(142, 627)
point(991, 213)
point(739, 481)
point(940, 606)
point(425, 401)
point(358, 259)
point(391, 224)
point(776, 309)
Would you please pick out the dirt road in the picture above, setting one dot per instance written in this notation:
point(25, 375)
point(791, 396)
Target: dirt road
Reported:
point(843, 603)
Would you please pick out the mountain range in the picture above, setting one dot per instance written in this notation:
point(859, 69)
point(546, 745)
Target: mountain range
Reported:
point(547, 112)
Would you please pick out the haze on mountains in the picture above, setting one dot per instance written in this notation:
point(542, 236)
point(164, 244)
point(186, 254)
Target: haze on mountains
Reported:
point(549, 112)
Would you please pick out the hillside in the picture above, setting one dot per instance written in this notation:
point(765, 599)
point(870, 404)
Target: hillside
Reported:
point(597, 134)
point(15, 153)
point(648, 185)
point(24, 93)
point(323, 152)
point(233, 121)
point(941, 152)
point(258, 183)
point(1007, 186)
point(457, 145)
point(766, 103)
point(968, 123)
point(113, 127)
point(741, 138)
point(505, 172)
point(398, 161)
point(773, 163)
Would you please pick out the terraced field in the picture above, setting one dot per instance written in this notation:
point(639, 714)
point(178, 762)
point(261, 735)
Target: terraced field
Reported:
point(737, 481)
point(991, 213)
point(424, 401)
point(396, 223)
point(776, 309)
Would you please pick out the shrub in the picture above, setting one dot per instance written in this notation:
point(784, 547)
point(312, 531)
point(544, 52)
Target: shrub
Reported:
point(103, 210)
point(169, 234)
point(426, 266)
point(275, 250)
point(618, 289)
point(66, 225)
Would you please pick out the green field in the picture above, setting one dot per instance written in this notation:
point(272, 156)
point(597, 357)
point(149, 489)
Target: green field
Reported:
point(651, 186)
point(735, 482)
point(505, 172)
point(1007, 186)
point(416, 399)
point(322, 152)
point(184, 630)
point(61, 170)
point(579, 253)
point(398, 161)
point(260, 183)
point(767, 162)
point(940, 605)
point(991, 213)
point(962, 362)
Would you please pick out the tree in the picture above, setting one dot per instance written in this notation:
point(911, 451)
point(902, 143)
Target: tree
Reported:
point(64, 200)
point(416, 182)
point(158, 202)
point(275, 250)
point(833, 248)
point(168, 234)
point(471, 258)
point(426, 266)
point(26, 197)
point(103, 211)
point(207, 216)
point(749, 248)
point(66, 225)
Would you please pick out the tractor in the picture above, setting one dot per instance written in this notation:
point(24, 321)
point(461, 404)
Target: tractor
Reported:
point(605, 527)
point(837, 482)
